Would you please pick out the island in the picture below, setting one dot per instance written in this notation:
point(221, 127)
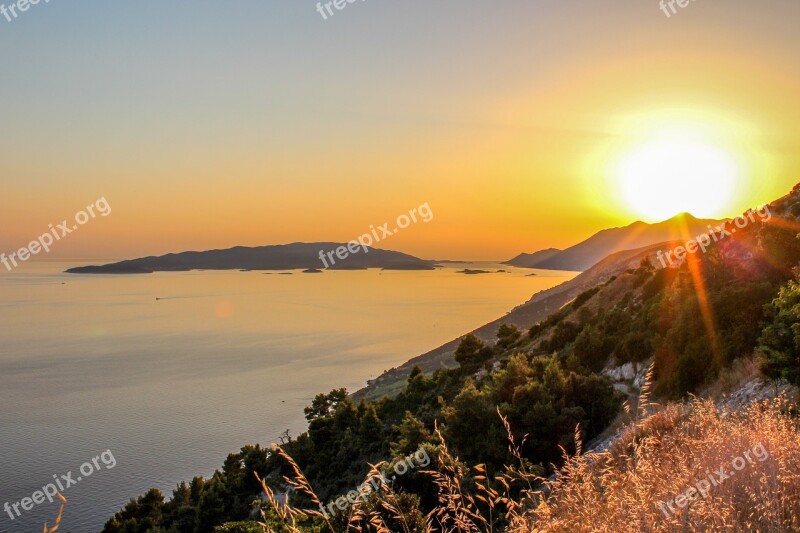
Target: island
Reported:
point(295, 256)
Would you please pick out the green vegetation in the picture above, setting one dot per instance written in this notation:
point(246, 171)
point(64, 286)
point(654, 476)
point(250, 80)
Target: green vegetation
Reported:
point(780, 343)
point(538, 395)
point(693, 322)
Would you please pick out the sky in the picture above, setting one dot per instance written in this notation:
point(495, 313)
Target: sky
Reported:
point(215, 124)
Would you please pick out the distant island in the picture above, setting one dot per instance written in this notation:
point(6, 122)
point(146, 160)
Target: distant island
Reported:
point(470, 271)
point(295, 256)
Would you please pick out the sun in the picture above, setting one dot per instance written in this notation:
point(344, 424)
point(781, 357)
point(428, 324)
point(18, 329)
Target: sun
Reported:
point(668, 175)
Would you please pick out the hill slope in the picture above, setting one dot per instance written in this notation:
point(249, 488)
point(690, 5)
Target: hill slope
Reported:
point(531, 260)
point(554, 386)
point(538, 308)
point(639, 234)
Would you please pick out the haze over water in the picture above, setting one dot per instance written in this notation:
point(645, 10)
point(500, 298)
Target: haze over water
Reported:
point(222, 359)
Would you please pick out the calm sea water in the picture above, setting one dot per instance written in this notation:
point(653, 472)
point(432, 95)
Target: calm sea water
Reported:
point(220, 360)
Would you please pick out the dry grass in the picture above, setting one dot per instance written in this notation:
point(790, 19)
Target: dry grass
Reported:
point(742, 371)
point(662, 452)
point(661, 456)
point(57, 522)
point(388, 506)
point(459, 510)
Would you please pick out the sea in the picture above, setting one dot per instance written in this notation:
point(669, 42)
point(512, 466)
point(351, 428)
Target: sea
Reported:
point(113, 384)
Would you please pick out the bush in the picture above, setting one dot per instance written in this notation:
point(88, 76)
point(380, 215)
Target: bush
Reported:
point(780, 341)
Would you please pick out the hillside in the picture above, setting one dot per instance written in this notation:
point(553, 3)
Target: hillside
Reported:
point(531, 397)
point(538, 308)
point(278, 257)
point(524, 260)
point(637, 235)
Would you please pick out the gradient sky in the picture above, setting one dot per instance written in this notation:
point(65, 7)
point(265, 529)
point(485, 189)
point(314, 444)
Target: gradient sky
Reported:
point(214, 124)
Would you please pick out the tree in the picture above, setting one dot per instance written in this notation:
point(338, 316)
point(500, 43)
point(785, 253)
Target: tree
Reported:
point(506, 382)
point(370, 428)
point(417, 385)
point(507, 335)
point(592, 348)
point(139, 516)
point(325, 404)
point(412, 433)
point(635, 349)
point(564, 333)
point(471, 353)
point(473, 427)
point(179, 512)
point(780, 341)
point(213, 508)
point(584, 297)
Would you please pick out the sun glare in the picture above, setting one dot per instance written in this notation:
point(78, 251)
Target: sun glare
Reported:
point(667, 176)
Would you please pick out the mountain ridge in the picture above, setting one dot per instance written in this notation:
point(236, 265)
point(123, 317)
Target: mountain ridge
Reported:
point(585, 254)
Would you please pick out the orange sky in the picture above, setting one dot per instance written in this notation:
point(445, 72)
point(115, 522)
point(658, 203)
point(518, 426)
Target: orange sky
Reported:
point(266, 125)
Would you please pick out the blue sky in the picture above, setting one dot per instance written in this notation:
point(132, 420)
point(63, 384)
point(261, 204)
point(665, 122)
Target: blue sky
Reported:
point(383, 106)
